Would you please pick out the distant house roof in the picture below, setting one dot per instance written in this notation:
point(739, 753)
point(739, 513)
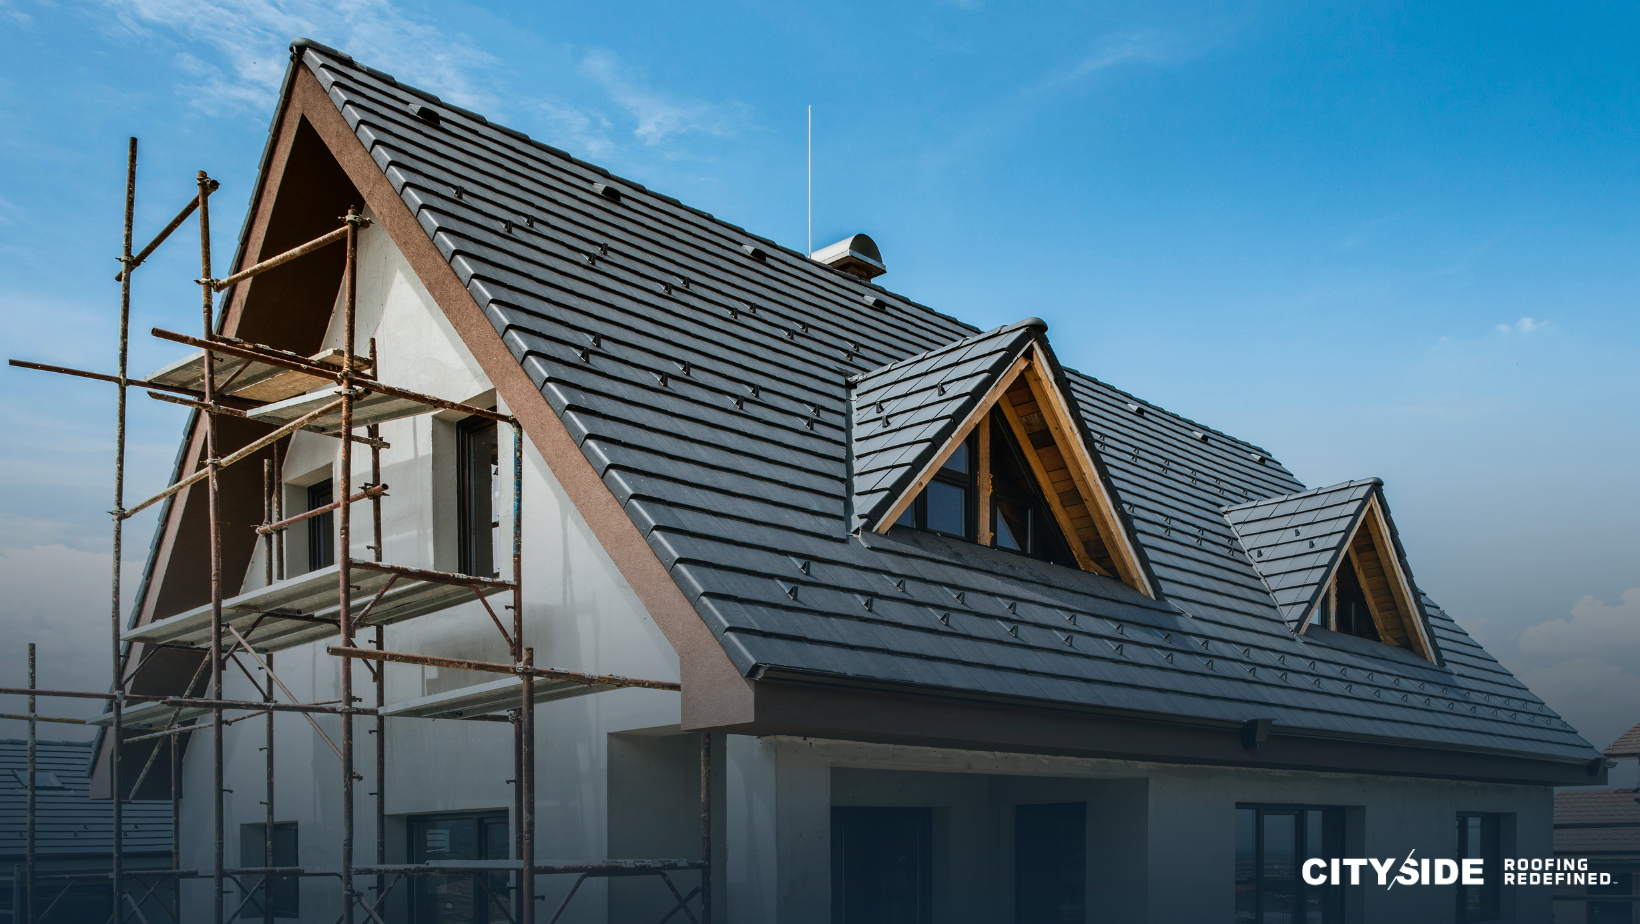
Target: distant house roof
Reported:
point(1626, 745)
point(68, 823)
point(1598, 821)
point(707, 375)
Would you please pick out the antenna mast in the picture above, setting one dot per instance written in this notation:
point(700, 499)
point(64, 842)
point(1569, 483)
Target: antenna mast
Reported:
point(811, 178)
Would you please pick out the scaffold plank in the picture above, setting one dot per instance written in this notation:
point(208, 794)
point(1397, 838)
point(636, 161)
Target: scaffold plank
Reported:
point(374, 408)
point(256, 381)
point(488, 698)
point(150, 715)
point(303, 609)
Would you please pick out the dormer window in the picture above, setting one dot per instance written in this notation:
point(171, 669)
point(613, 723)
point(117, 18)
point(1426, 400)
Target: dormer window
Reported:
point(947, 504)
point(1331, 561)
point(981, 441)
point(1021, 519)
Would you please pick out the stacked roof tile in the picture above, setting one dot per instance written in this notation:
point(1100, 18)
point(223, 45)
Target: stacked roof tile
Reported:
point(1597, 821)
point(709, 388)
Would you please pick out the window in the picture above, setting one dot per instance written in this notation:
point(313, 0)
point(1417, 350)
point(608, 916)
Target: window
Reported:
point(459, 899)
point(882, 865)
point(1479, 838)
point(1051, 863)
point(478, 481)
point(43, 779)
point(1272, 843)
point(947, 504)
point(1020, 517)
point(284, 892)
point(321, 530)
point(1344, 609)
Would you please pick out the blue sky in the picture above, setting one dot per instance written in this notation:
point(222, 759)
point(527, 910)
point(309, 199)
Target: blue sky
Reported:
point(1383, 239)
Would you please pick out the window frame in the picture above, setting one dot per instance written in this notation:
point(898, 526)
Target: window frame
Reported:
point(321, 530)
point(915, 515)
point(499, 882)
point(470, 527)
point(1332, 835)
point(1491, 851)
point(287, 890)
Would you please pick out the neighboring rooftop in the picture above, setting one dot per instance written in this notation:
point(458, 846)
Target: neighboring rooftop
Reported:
point(1598, 821)
point(69, 824)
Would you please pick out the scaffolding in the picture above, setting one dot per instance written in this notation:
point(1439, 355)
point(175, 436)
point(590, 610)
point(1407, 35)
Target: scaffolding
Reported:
point(335, 393)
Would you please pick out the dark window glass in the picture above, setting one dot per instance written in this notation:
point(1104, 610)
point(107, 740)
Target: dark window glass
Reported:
point(284, 892)
point(882, 865)
point(1272, 843)
point(1021, 518)
point(43, 779)
point(1353, 617)
point(321, 530)
point(1050, 863)
point(1478, 839)
point(1613, 912)
point(947, 504)
point(479, 483)
point(459, 899)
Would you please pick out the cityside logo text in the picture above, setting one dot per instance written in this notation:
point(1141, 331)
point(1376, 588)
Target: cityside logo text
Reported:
point(1412, 871)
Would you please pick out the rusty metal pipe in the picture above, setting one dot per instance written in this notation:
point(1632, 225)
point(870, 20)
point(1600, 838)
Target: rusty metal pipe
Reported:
point(139, 383)
point(280, 260)
point(211, 466)
point(261, 354)
point(542, 673)
point(131, 262)
point(370, 492)
point(25, 717)
point(432, 577)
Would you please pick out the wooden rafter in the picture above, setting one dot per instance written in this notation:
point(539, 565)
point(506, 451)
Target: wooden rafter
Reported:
point(1042, 424)
point(1390, 596)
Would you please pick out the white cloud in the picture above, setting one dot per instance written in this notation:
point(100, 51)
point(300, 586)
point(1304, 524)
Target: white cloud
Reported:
point(248, 40)
point(659, 115)
point(19, 18)
point(1588, 666)
point(1524, 326)
point(585, 134)
point(1595, 630)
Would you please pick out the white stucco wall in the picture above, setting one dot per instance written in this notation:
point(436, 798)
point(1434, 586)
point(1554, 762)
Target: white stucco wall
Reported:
point(579, 614)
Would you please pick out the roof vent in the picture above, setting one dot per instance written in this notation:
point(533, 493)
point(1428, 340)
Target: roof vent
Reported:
point(856, 255)
point(607, 191)
point(425, 113)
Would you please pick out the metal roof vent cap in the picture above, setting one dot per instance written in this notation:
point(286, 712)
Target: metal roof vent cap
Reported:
point(856, 255)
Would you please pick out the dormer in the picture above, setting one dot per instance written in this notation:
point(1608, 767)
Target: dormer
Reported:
point(1330, 558)
point(980, 440)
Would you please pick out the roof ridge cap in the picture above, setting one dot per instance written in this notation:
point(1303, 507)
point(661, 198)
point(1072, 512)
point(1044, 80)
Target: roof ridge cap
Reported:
point(342, 57)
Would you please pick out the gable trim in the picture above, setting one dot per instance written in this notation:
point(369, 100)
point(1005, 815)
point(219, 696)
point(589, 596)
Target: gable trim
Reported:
point(1408, 603)
point(991, 397)
point(1085, 474)
point(714, 690)
point(1100, 501)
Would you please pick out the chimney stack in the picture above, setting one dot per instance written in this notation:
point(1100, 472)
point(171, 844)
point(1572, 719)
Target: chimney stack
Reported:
point(856, 255)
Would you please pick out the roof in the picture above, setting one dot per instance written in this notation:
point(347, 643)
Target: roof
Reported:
point(906, 412)
point(1626, 745)
point(68, 823)
point(704, 372)
point(1295, 540)
point(1597, 821)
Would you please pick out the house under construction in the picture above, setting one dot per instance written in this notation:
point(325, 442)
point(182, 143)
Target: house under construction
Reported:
point(543, 549)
